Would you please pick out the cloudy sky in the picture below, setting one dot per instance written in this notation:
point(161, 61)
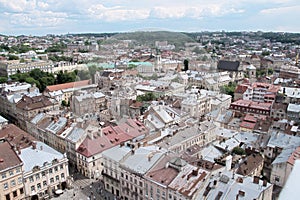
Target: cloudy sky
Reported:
point(40, 17)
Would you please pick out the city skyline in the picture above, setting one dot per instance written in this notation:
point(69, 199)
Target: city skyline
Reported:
point(34, 17)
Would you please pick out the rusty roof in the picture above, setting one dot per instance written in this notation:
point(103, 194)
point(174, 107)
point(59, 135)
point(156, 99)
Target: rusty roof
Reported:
point(8, 157)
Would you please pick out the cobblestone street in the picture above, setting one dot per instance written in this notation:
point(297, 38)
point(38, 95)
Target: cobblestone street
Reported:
point(86, 189)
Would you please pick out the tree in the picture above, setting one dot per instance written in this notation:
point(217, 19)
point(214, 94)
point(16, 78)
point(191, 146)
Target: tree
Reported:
point(12, 57)
point(64, 103)
point(3, 79)
point(239, 151)
point(228, 89)
point(186, 65)
point(149, 96)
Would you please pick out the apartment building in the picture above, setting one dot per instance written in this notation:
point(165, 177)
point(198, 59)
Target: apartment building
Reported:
point(45, 170)
point(11, 176)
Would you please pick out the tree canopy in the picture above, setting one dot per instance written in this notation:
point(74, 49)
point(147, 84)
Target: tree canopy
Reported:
point(149, 96)
point(42, 79)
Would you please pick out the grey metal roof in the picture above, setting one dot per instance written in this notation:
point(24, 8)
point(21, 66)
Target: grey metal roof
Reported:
point(284, 155)
point(116, 153)
point(75, 134)
point(54, 127)
point(37, 157)
point(143, 159)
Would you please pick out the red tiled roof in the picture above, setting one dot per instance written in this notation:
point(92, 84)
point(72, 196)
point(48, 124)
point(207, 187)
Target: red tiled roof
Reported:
point(30, 103)
point(295, 156)
point(16, 136)
point(248, 125)
point(8, 157)
point(250, 118)
point(241, 89)
point(63, 86)
point(112, 136)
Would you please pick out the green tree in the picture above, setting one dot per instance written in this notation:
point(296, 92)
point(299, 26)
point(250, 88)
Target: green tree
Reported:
point(3, 79)
point(12, 57)
point(64, 103)
point(228, 89)
point(239, 151)
point(149, 96)
point(270, 71)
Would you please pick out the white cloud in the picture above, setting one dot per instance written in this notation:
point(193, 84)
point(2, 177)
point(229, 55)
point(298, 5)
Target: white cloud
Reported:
point(43, 5)
point(19, 5)
point(116, 13)
point(281, 10)
point(38, 18)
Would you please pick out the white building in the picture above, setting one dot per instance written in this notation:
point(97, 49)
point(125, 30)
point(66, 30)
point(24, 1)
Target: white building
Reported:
point(45, 170)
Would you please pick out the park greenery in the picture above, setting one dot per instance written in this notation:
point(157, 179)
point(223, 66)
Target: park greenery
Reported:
point(43, 79)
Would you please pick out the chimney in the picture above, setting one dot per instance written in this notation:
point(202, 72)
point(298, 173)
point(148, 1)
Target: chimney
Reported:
point(34, 145)
point(241, 193)
point(228, 162)
point(265, 183)
point(18, 150)
point(100, 132)
point(256, 179)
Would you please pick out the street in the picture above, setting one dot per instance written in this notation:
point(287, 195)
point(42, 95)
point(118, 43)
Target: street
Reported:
point(85, 189)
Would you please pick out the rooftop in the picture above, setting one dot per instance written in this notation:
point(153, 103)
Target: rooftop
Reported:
point(39, 156)
point(52, 88)
point(16, 136)
point(8, 157)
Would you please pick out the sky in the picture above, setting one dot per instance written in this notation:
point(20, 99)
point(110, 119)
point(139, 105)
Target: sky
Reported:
point(41, 17)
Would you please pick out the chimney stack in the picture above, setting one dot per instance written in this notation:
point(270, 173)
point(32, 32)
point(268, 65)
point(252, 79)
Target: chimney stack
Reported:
point(18, 150)
point(256, 179)
point(34, 145)
point(228, 162)
point(265, 182)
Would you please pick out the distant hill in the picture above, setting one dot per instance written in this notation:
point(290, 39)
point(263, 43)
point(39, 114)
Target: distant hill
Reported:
point(149, 37)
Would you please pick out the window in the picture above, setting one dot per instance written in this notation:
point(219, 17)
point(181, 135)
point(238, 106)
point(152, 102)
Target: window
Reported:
point(19, 180)
point(44, 183)
point(62, 175)
point(11, 173)
point(56, 168)
point(5, 186)
point(13, 183)
point(3, 175)
point(51, 180)
point(43, 173)
point(21, 191)
point(57, 178)
point(39, 186)
point(61, 166)
point(32, 188)
point(37, 176)
point(31, 179)
point(50, 171)
point(15, 194)
point(18, 170)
